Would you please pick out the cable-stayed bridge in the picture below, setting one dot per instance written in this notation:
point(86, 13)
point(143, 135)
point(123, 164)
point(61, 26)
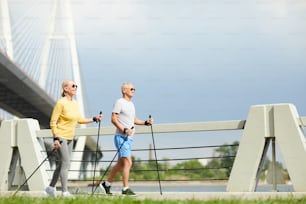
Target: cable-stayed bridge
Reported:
point(38, 51)
point(38, 38)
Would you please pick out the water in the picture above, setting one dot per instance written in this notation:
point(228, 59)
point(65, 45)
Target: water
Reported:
point(189, 188)
point(181, 188)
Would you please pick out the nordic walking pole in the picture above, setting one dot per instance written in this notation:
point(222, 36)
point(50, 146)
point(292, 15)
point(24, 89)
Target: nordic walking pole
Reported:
point(111, 162)
point(160, 190)
point(97, 146)
point(53, 150)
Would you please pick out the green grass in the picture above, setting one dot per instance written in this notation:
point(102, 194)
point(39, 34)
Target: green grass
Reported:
point(131, 200)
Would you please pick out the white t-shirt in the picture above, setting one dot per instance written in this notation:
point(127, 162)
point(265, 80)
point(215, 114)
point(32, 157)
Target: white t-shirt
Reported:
point(127, 114)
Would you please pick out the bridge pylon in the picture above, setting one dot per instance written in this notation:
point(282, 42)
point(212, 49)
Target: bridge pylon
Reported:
point(63, 30)
point(6, 29)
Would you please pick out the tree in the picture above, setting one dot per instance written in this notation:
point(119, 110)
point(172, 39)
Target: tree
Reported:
point(226, 155)
point(192, 169)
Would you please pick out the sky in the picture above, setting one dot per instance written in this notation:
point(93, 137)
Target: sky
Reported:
point(191, 60)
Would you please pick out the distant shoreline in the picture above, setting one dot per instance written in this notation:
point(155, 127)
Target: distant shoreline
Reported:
point(151, 183)
point(163, 183)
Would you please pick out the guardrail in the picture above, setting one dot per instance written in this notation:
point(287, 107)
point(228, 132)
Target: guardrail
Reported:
point(264, 123)
point(160, 128)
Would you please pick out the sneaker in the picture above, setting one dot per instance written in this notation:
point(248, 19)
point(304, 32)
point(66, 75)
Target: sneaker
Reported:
point(50, 191)
point(67, 194)
point(105, 188)
point(128, 192)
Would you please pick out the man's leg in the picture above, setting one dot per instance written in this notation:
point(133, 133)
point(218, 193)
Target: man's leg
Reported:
point(107, 184)
point(125, 176)
point(115, 170)
point(126, 167)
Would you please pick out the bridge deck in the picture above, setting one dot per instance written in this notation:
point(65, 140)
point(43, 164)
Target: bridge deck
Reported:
point(21, 96)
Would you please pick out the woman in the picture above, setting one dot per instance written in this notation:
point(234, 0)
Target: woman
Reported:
point(65, 117)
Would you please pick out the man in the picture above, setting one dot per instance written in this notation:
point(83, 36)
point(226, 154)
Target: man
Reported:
point(124, 119)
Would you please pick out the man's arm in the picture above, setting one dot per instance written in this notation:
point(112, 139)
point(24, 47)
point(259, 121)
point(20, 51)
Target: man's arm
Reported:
point(115, 121)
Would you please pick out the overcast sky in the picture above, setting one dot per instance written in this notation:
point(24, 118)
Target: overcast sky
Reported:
point(192, 60)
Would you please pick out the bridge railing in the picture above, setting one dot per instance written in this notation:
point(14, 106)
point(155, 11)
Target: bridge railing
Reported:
point(159, 128)
point(264, 122)
point(167, 130)
point(193, 150)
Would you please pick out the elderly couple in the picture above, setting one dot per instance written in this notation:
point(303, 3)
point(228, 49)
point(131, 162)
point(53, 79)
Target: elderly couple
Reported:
point(66, 116)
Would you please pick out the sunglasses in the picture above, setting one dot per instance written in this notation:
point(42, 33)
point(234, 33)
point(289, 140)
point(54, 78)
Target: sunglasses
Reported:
point(132, 89)
point(74, 86)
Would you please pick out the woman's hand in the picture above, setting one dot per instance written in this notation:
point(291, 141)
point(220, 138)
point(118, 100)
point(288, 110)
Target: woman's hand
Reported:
point(57, 144)
point(97, 118)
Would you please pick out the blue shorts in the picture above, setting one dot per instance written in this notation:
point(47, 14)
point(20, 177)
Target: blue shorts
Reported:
point(123, 145)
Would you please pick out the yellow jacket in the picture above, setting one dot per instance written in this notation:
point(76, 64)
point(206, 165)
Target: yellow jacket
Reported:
point(65, 117)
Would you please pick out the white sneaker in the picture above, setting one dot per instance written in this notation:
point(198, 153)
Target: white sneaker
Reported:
point(50, 191)
point(67, 194)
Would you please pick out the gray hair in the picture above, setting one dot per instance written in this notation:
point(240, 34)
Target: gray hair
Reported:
point(124, 85)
